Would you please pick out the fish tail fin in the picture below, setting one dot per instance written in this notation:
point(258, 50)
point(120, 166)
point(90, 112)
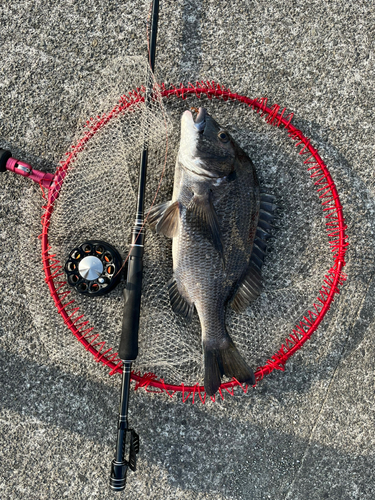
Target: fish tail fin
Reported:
point(224, 361)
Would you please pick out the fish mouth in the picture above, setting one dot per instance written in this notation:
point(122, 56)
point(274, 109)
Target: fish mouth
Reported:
point(200, 120)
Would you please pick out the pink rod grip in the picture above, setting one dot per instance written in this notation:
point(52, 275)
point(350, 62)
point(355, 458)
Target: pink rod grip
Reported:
point(21, 168)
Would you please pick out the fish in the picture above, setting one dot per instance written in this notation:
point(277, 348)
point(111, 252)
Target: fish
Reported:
point(219, 222)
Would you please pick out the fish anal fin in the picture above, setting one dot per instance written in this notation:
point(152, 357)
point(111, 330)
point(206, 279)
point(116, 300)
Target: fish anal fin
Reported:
point(249, 289)
point(224, 361)
point(178, 303)
point(204, 212)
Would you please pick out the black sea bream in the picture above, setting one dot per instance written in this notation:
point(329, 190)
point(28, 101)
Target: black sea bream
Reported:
point(213, 218)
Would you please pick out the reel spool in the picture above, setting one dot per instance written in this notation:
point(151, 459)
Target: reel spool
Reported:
point(93, 268)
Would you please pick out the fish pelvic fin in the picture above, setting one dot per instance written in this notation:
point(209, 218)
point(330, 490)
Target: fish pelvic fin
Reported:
point(164, 218)
point(204, 212)
point(224, 361)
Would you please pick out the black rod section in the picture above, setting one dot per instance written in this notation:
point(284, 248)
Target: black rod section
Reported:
point(120, 464)
point(154, 31)
point(128, 349)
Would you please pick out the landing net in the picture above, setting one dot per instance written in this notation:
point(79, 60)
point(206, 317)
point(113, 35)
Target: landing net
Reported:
point(94, 197)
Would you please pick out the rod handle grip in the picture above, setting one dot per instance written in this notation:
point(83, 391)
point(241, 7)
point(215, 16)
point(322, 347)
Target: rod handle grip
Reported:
point(128, 349)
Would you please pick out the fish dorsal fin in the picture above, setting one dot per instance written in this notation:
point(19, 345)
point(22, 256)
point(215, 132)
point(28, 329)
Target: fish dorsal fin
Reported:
point(265, 227)
point(203, 210)
point(251, 284)
point(178, 303)
point(164, 218)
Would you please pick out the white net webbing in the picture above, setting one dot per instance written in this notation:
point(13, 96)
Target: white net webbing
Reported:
point(97, 201)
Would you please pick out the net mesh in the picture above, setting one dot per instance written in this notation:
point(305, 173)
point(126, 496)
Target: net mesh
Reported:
point(97, 201)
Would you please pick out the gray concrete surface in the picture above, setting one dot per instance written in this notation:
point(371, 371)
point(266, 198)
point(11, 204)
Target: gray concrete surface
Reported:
point(306, 434)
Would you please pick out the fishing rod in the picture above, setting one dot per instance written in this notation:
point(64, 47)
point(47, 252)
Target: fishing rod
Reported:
point(128, 349)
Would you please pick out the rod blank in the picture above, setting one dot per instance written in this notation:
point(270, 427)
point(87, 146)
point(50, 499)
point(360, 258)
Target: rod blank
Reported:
point(128, 349)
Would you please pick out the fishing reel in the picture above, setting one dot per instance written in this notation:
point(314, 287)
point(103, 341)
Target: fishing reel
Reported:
point(93, 268)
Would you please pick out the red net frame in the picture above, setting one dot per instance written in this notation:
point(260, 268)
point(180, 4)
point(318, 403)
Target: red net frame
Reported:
point(335, 226)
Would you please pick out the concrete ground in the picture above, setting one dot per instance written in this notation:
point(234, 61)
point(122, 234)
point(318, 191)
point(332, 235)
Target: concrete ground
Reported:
point(305, 434)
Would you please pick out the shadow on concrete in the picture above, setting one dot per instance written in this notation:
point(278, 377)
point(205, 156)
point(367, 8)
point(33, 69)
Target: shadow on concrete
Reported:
point(198, 449)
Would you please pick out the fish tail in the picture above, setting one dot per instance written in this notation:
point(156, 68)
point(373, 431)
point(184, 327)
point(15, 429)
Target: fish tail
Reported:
point(224, 361)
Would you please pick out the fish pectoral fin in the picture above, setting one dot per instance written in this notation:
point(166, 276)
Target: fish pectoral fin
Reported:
point(201, 207)
point(224, 361)
point(249, 289)
point(156, 212)
point(178, 303)
point(164, 218)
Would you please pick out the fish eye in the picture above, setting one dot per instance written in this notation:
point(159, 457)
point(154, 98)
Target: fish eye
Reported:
point(223, 137)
